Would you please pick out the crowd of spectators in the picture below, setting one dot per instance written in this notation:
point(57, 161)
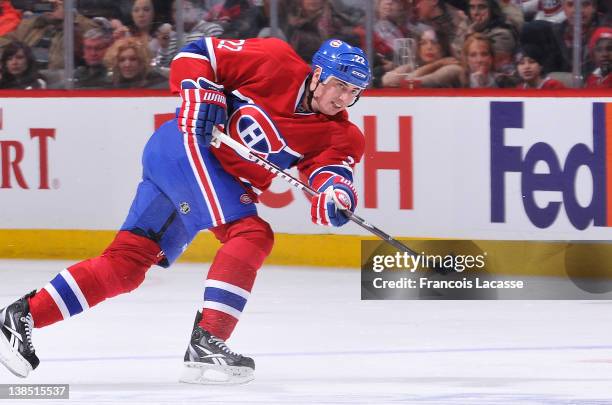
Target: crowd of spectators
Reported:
point(416, 43)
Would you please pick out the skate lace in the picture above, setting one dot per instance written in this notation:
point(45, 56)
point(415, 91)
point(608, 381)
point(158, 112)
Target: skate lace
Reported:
point(27, 320)
point(220, 343)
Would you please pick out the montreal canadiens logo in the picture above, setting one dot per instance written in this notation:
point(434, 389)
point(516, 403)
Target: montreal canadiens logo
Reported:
point(343, 199)
point(254, 128)
point(336, 43)
point(245, 199)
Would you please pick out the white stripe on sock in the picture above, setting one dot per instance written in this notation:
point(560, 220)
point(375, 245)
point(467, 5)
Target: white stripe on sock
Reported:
point(58, 300)
point(227, 287)
point(223, 308)
point(75, 288)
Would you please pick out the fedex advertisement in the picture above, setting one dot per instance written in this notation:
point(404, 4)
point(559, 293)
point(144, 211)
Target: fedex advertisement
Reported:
point(487, 167)
point(580, 177)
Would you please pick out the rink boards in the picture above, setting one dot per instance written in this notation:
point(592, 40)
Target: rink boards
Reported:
point(508, 166)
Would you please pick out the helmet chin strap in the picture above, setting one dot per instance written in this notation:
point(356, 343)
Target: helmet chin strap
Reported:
point(354, 101)
point(310, 94)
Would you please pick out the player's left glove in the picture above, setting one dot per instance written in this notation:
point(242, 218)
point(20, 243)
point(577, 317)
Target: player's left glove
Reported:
point(327, 207)
point(204, 106)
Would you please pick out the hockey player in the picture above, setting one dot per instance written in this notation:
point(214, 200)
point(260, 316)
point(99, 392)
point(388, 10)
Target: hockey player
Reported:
point(263, 95)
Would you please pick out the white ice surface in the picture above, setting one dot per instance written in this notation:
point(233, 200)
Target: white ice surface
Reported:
point(315, 342)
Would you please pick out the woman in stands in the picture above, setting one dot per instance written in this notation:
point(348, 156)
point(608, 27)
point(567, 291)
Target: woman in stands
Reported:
point(487, 18)
point(19, 68)
point(129, 62)
point(530, 67)
point(436, 68)
point(477, 60)
point(143, 23)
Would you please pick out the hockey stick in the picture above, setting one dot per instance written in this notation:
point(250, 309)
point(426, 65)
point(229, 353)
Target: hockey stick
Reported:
point(246, 153)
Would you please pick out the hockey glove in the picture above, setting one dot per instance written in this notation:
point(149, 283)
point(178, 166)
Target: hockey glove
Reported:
point(204, 106)
point(328, 207)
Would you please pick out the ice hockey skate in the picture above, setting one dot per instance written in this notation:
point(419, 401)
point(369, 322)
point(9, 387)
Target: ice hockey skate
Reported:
point(208, 360)
point(16, 349)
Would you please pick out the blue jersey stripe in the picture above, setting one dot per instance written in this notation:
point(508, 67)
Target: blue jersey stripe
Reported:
point(68, 296)
point(224, 297)
point(198, 47)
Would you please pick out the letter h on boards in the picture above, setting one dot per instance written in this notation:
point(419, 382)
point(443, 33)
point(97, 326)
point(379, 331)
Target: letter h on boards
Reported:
point(375, 160)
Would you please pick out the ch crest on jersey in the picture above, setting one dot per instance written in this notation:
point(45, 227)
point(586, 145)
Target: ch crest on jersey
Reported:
point(256, 130)
point(251, 126)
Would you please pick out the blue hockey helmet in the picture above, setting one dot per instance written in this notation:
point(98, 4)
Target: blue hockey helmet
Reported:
point(344, 62)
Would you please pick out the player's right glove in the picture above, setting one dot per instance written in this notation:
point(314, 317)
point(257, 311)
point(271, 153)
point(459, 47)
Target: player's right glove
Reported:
point(328, 206)
point(204, 106)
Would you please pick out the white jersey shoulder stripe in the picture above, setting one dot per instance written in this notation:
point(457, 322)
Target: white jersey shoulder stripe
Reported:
point(242, 97)
point(211, 53)
point(190, 55)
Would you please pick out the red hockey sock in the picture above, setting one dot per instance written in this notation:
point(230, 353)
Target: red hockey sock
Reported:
point(246, 244)
point(119, 269)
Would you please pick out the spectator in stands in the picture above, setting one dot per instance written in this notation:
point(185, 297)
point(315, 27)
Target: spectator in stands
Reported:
point(163, 38)
point(9, 17)
point(265, 21)
point(513, 12)
point(240, 18)
point(129, 61)
point(539, 32)
point(530, 67)
point(551, 11)
point(445, 19)
point(564, 34)
point(477, 62)
point(388, 26)
point(44, 34)
point(96, 41)
point(436, 68)
point(119, 29)
point(99, 8)
point(600, 45)
point(19, 68)
point(487, 18)
point(394, 20)
point(195, 27)
point(530, 8)
point(310, 22)
point(142, 25)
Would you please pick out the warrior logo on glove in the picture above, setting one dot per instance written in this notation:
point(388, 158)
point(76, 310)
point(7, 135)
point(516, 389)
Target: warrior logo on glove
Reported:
point(204, 106)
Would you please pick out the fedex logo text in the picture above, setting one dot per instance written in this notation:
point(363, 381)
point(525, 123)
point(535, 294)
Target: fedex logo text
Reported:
point(561, 175)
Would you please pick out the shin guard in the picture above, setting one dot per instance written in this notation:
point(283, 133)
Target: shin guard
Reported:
point(246, 244)
point(119, 269)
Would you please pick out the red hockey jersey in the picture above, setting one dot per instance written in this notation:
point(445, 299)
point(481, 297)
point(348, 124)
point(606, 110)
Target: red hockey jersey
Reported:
point(598, 81)
point(265, 80)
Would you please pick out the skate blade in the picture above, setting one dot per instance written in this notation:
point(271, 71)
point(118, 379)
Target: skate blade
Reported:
point(200, 373)
point(12, 360)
